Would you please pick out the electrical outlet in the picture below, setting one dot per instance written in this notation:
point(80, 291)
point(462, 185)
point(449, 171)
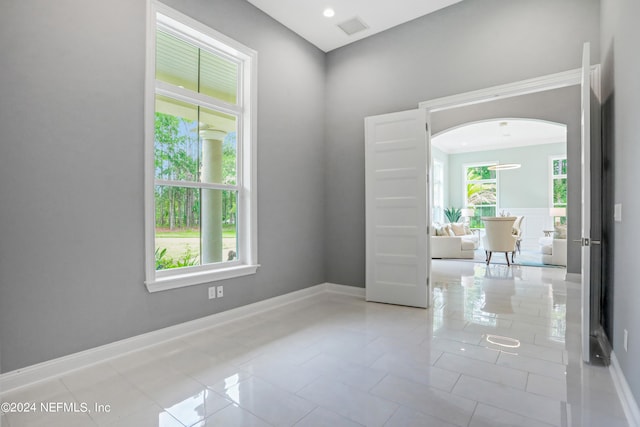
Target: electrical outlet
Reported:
point(626, 340)
point(212, 292)
point(220, 291)
point(617, 212)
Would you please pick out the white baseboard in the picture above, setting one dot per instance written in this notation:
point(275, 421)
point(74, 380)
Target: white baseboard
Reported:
point(629, 404)
point(346, 290)
point(573, 277)
point(52, 368)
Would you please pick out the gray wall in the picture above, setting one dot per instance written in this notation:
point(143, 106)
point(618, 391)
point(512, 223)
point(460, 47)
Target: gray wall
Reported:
point(71, 181)
point(526, 187)
point(621, 101)
point(471, 45)
point(558, 105)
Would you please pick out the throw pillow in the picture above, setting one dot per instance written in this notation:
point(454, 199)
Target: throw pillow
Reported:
point(458, 229)
point(560, 232)
point(451, 233)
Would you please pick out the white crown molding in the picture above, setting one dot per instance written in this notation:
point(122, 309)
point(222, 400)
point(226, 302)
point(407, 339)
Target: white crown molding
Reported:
point(629, 404)
point(29, 375)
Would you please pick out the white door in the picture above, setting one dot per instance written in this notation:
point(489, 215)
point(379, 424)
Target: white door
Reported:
point(396, 163)
point(586, 200)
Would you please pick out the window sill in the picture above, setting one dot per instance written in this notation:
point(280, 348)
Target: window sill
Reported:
point(190, 279)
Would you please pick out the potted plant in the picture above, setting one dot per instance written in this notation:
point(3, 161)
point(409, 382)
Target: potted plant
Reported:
point(453, 214)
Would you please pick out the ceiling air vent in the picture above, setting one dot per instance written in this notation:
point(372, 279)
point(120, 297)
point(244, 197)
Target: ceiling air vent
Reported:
point(353, 25)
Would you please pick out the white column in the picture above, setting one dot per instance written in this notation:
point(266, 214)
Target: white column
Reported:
point(211, 200)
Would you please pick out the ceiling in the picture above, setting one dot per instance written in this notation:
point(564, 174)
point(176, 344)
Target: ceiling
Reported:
point(305, 17)
point(499, 134)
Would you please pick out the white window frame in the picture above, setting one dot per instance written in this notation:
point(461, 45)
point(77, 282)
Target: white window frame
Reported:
point(552, 176)
point(160, 15)
point(465, 166)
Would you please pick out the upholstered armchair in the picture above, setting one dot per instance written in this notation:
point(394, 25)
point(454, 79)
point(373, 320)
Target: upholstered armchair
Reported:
point(517, 231)
point(499, 236)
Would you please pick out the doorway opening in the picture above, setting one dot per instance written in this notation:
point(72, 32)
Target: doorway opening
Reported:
point(502, 166)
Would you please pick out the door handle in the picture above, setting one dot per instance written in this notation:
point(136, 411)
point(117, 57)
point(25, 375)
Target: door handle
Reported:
point(585, 241)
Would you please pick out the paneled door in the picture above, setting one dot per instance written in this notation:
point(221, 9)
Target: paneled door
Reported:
point(397, 194)
point(586, 201)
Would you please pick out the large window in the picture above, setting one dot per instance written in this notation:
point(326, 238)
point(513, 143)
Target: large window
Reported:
point(481, 192)
point(200, 150)
point(559, 182)
point(559, 185)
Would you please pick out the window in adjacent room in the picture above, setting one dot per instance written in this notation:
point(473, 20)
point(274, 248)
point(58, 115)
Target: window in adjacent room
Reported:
point(559, 184)
point(200, 154)
point(481, 192)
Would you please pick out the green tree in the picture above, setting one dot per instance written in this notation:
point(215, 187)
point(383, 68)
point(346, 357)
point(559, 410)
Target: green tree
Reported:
point(177, 160)
point(481, 195)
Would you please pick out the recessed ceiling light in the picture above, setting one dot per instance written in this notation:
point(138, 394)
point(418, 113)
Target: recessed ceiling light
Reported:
point(329, 12)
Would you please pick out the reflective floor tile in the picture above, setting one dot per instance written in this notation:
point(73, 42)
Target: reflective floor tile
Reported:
point(407, 417)
point(349, 402)
point(119, 396)
point(64, 419)
point(287, 376)
point(529, 350)
point(445, 406)
point(535, 366)
point(270, 403)
point(233, 416)
point(494, 352)
point(422, 373)
point(510, 399)
point(90, 377)
point(353, 374)
point(547, 386)
point(151, 416)
point(471, 351)
point(197, 407)
point(489, 416)
point(488, 371)
point(321, 417)
point(40, 392)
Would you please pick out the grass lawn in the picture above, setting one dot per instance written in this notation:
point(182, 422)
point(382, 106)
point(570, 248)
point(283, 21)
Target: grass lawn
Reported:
point(182, 241)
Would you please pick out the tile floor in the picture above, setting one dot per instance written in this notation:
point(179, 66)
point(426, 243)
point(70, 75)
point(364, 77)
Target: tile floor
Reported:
point(500, 347)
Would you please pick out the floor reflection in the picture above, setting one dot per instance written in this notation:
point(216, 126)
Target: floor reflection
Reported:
point(497, 296)
point(500, 346)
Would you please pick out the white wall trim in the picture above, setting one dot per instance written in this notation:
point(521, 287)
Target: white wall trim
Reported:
point(52, 368)
point(573, 277)
point(629, 404)
point(345, 290)
point(523, 87)
point(160, 16)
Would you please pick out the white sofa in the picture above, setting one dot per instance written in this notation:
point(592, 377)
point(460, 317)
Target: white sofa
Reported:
point(451, 245)
point(554, 251)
